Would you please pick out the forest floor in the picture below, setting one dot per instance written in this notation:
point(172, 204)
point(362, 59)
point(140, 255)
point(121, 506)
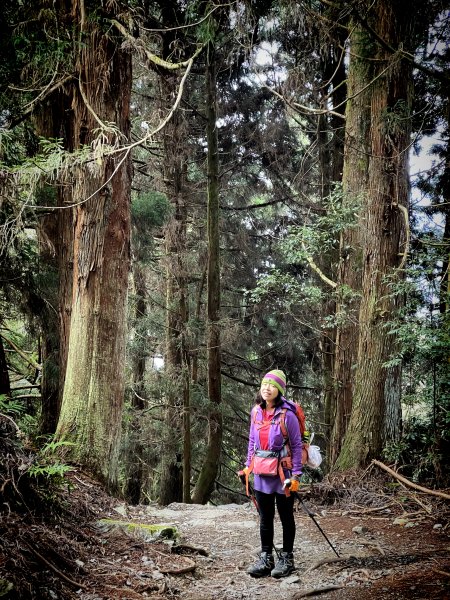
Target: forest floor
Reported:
point(391, 545)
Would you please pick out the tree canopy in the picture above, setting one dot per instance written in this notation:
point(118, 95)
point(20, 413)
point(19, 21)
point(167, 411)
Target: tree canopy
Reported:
point(192, 194)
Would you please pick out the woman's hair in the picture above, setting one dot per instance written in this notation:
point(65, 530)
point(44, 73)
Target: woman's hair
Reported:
point(260, 400)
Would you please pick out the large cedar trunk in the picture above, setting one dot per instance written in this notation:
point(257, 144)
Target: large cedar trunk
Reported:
point(205, 482)
point(376, 413)
point(93, 395)
point(354, 181)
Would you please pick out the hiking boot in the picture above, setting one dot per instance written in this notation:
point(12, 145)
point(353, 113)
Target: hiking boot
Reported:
point(284, 566)
point(263, 566)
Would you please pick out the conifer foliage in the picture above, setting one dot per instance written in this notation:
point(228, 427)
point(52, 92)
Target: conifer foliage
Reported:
point(194, 193)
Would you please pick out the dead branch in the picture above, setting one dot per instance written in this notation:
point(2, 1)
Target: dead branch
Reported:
point(370, 510)
point(373, 545)
point(327, 561)
point(426, 508)
point(319, 272)
point(179, 548)
point(53, 568)
point(439, 572)
point(30, 361)
point(410, 483)
point(313, 592)
point(191, 566)
point(153, 58)
point(11, 421)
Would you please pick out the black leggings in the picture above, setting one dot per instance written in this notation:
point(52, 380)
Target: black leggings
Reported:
point(285, 506)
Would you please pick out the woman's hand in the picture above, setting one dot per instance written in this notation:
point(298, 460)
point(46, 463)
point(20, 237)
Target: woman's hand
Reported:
point(292, 484)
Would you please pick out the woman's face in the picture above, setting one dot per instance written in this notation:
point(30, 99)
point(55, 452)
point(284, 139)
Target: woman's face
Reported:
point(268, 392)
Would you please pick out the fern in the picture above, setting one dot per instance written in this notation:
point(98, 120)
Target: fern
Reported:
point(48, 466)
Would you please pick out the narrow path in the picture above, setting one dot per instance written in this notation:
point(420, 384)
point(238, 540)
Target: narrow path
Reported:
point(385, 557)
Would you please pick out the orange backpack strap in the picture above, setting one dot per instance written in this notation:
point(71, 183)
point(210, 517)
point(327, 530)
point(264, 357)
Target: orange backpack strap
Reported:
point(283, 427)
point(301, 418)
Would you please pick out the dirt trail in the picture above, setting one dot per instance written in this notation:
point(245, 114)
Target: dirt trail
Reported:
point(406, 560)
point(72, 555)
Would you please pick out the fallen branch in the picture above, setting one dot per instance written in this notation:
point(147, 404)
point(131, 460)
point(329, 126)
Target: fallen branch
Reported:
point(439, 572)
point(191, 566)
point(373, 545)
point(326, 561)
point(427, 509)
point(369, 510)
point(21, 353)
point(410, 483)
point(313, 592)
point(180, 548)
point(53, 568)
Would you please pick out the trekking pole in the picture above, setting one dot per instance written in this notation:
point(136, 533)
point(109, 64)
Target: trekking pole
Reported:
point(255, 502)
point(311, 514)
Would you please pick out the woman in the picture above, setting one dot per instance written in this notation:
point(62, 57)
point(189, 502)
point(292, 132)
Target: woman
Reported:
point(266, 435)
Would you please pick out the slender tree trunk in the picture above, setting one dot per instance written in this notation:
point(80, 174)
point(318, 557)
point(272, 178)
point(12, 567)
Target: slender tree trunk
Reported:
point(444, 289)
point(383, 222)
point(93, 395)
point(205, 483)
point(135, 448)
point(55, 233)
point(331, 161)
point(175, 461)
point(5, 387)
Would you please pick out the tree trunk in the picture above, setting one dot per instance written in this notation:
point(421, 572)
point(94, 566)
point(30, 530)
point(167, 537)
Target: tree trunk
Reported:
point(175, 460)
point(331, 168)
point(135, 448)
point(375, 413)
point(55, 234)
point(5, 387)
point(205, 482)
point(354, 181)
point(93, 395)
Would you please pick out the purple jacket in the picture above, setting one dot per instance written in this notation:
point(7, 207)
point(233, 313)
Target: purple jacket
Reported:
point(270, 485)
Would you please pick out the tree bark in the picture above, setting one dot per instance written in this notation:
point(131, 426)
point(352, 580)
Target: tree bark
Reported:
point(354, 181)
point(93, 395)
point(331, 161)
point(134, 458)
point(176, 456)
point(5, 387)
point(375, 413)
point(54, 119)
point(205, 482)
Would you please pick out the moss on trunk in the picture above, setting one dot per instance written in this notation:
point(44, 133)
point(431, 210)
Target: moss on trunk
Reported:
point(93, 395)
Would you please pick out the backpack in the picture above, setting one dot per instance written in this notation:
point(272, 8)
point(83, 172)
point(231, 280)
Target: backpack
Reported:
point(310, 454)
point(301, 421)
point(302, 424)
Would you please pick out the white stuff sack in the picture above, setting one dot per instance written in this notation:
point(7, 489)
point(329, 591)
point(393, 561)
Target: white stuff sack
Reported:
point(314, 457)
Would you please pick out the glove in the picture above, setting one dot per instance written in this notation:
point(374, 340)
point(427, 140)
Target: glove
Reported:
point(243, 474)
point(292, 484)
